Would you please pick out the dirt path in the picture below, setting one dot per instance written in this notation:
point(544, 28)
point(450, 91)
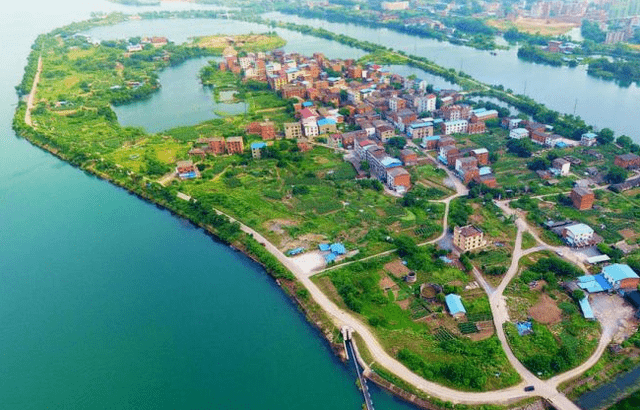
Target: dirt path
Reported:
point(32, 95)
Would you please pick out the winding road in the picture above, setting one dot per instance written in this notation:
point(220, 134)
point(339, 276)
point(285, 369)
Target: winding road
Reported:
point(547, 389)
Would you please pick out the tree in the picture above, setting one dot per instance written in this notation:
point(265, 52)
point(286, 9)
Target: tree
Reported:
point(577, 294)
point(538, 164)
point(605, 136)
point(624, 141)
point(616, 175)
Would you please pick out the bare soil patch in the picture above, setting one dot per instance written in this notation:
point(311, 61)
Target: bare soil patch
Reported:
point(546, 311)
point(404, 304)
point(397, 268)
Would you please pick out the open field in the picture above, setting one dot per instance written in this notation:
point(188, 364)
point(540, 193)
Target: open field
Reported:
point(547, 27)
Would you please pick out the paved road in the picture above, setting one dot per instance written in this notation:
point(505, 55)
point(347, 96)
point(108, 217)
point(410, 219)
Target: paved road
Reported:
point(546, 389)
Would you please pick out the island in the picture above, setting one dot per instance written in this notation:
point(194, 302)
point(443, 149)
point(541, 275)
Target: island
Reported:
point(480, 249)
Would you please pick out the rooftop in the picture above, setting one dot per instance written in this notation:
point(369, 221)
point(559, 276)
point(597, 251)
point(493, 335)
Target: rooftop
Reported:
point(580, 229)
point(586, 309)
point(454, 304)
point(469, 230)
point(618, 272)
point(258, 145)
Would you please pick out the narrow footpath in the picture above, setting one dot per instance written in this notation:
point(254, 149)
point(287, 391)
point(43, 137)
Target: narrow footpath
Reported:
point(32, 95)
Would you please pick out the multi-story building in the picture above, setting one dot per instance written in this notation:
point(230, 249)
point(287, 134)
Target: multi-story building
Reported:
point(621, 276)
point(482, 155)
point(562, 165)
point(399, 179)
point(256, 149)
point(310, 127)
point(582, 198)
point(293, 130)
point(476, 128)
point(408, 157)
point(455, 127)
point(420, 129)
point(518, 133)
point(234, 145)
point(578, 235)
point(468, 238)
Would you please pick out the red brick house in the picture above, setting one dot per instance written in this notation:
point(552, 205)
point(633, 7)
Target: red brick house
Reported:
point(582, 198)
point(627, 161)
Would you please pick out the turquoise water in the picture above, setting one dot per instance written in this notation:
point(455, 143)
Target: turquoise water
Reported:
point(108, 302)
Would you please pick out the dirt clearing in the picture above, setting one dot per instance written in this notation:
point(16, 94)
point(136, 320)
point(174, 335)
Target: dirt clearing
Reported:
point(546, 311)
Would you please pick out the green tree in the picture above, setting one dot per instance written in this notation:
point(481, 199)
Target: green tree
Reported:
point(605, 136)
point(616, 175)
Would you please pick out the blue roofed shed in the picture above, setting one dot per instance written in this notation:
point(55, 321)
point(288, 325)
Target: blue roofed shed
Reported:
point(454, 304)
point(307, 104)
point(330, 257)
point(338, 248)
point(324, 247)
point(586, 309)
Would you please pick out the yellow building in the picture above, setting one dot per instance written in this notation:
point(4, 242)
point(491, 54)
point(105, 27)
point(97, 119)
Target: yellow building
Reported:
point(468, 237)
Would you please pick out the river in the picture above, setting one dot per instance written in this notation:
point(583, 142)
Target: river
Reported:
point(599, 102)
point(109, 302)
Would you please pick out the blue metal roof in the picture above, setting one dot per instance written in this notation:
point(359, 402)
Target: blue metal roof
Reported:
point(589, 135)
point(433, 138)
point(258, 145)
point(324, 247)
point(338, 248)
point(484, 170)
point(292, 70)
point(330, 257)
point(602, 282)
point(307, 104)
point(479, 110)
point(618, 272)
point(593, 283)
point(454, 304)
point(389, 162)
point(586, 308)
point(524, 328)
point(421, 124)
point(326, 121)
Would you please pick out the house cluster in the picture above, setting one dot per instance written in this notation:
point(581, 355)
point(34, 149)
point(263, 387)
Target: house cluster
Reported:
point(538, 133)
point(470, 164)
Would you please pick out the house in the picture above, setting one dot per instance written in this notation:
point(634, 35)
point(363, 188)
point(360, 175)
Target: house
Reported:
point(385, 132)
point(267, 130)
point(326, 125)
point(627, 161)
point(217, 145)
point(256, 149)
point(234, 145)
point(518, 133)
point(408, 157)
point(588, 139)
point(482, 114)
point(448, 155)
point(430, 142)
point(482, 155)
point(455, 127)
point(621, 276)
point(562, 166)
point(455, 306)
point(476, 127)
point(292, 130)
point(310, 127)
point(578, 235)
point(468, 237)
point(420, 129)
point(398, 179)
point(334, 140)
point(186, 170)
point(582, 198)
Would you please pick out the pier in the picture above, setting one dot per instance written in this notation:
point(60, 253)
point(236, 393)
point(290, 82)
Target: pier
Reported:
point(350, 350)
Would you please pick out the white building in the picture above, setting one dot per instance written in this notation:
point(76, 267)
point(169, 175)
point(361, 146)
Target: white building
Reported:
point(578, 234)
point(518, 133)
point(562, 166)
point(455, 127)
point(310, 127)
